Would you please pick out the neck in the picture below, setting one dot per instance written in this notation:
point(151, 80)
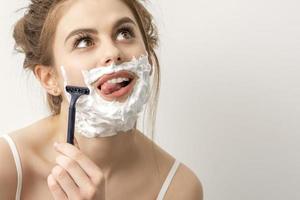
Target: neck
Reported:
point(109, 153)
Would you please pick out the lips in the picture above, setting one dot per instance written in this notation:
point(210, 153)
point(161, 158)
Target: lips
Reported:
point(115, 85)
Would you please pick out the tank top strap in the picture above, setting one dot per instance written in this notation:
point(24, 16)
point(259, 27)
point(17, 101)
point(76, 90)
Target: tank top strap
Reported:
point(16, 156)
point(168, 180)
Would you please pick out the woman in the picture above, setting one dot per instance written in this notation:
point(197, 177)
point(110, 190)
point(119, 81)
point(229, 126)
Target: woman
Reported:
point(107, 46)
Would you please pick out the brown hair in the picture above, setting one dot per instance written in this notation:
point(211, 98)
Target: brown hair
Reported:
point(34, 34)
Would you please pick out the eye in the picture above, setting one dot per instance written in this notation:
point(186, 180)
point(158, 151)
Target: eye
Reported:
point(83, 41)
point(125, 33)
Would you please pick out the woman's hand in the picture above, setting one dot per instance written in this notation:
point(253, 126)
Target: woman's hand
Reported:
point(75, 177)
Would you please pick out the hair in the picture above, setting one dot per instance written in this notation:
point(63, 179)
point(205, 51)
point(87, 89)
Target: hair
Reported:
point(34, 35)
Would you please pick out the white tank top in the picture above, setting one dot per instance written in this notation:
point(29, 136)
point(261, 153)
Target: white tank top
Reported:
point(16, 156)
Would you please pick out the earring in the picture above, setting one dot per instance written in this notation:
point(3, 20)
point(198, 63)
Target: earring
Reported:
point(55, 91)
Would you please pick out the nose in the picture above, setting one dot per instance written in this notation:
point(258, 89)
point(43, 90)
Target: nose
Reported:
point(111, 54)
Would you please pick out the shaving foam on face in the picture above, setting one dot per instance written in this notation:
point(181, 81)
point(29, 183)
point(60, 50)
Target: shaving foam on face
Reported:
point(97, 117)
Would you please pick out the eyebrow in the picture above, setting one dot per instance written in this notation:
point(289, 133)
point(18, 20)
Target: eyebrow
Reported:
point(94, 31)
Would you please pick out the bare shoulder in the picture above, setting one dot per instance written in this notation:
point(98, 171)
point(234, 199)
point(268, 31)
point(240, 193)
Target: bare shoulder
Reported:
point(185, 185)
point(24, 139)
point(8, 173)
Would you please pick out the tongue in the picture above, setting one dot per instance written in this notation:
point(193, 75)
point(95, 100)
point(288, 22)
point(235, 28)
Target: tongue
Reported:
point(109, 88)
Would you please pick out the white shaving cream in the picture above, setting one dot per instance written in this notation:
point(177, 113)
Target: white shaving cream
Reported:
point(97, 117)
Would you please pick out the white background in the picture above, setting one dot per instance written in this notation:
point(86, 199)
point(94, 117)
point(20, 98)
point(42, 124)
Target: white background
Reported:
point(230, 97)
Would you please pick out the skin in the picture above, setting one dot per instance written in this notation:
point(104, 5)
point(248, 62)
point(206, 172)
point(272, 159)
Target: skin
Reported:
point(124, 166)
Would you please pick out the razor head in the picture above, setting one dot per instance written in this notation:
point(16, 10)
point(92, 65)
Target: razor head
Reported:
point(77, 90)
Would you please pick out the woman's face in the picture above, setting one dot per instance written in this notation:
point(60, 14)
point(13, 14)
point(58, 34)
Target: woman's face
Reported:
point(95, 33)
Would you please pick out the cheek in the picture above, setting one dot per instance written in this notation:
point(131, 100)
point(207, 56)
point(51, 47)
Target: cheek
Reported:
point(73, 66)
point(133, 51)
point(141, 47)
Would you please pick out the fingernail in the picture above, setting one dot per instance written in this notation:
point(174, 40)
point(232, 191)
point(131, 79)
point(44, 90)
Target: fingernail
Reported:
point(55, 144)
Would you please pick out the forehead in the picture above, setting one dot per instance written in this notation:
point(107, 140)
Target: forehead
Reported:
point(92, 13)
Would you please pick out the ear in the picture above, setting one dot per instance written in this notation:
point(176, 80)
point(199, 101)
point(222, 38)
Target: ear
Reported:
point(48, 78)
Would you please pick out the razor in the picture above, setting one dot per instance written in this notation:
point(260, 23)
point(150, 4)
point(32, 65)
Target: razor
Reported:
point(75, 93)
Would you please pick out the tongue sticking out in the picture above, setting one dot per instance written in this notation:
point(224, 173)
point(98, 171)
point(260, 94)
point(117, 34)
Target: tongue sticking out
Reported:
point(109, 88)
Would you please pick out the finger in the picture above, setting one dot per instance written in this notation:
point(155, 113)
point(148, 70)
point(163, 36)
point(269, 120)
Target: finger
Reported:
point(75, 171)
point(56, 190)
point(90, 168)
point(65, 181)
point(76, 143)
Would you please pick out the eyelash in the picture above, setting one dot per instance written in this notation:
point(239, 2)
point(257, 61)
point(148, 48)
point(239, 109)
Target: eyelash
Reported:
point(84, 36)
point(80, 37)
point(126, 28)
